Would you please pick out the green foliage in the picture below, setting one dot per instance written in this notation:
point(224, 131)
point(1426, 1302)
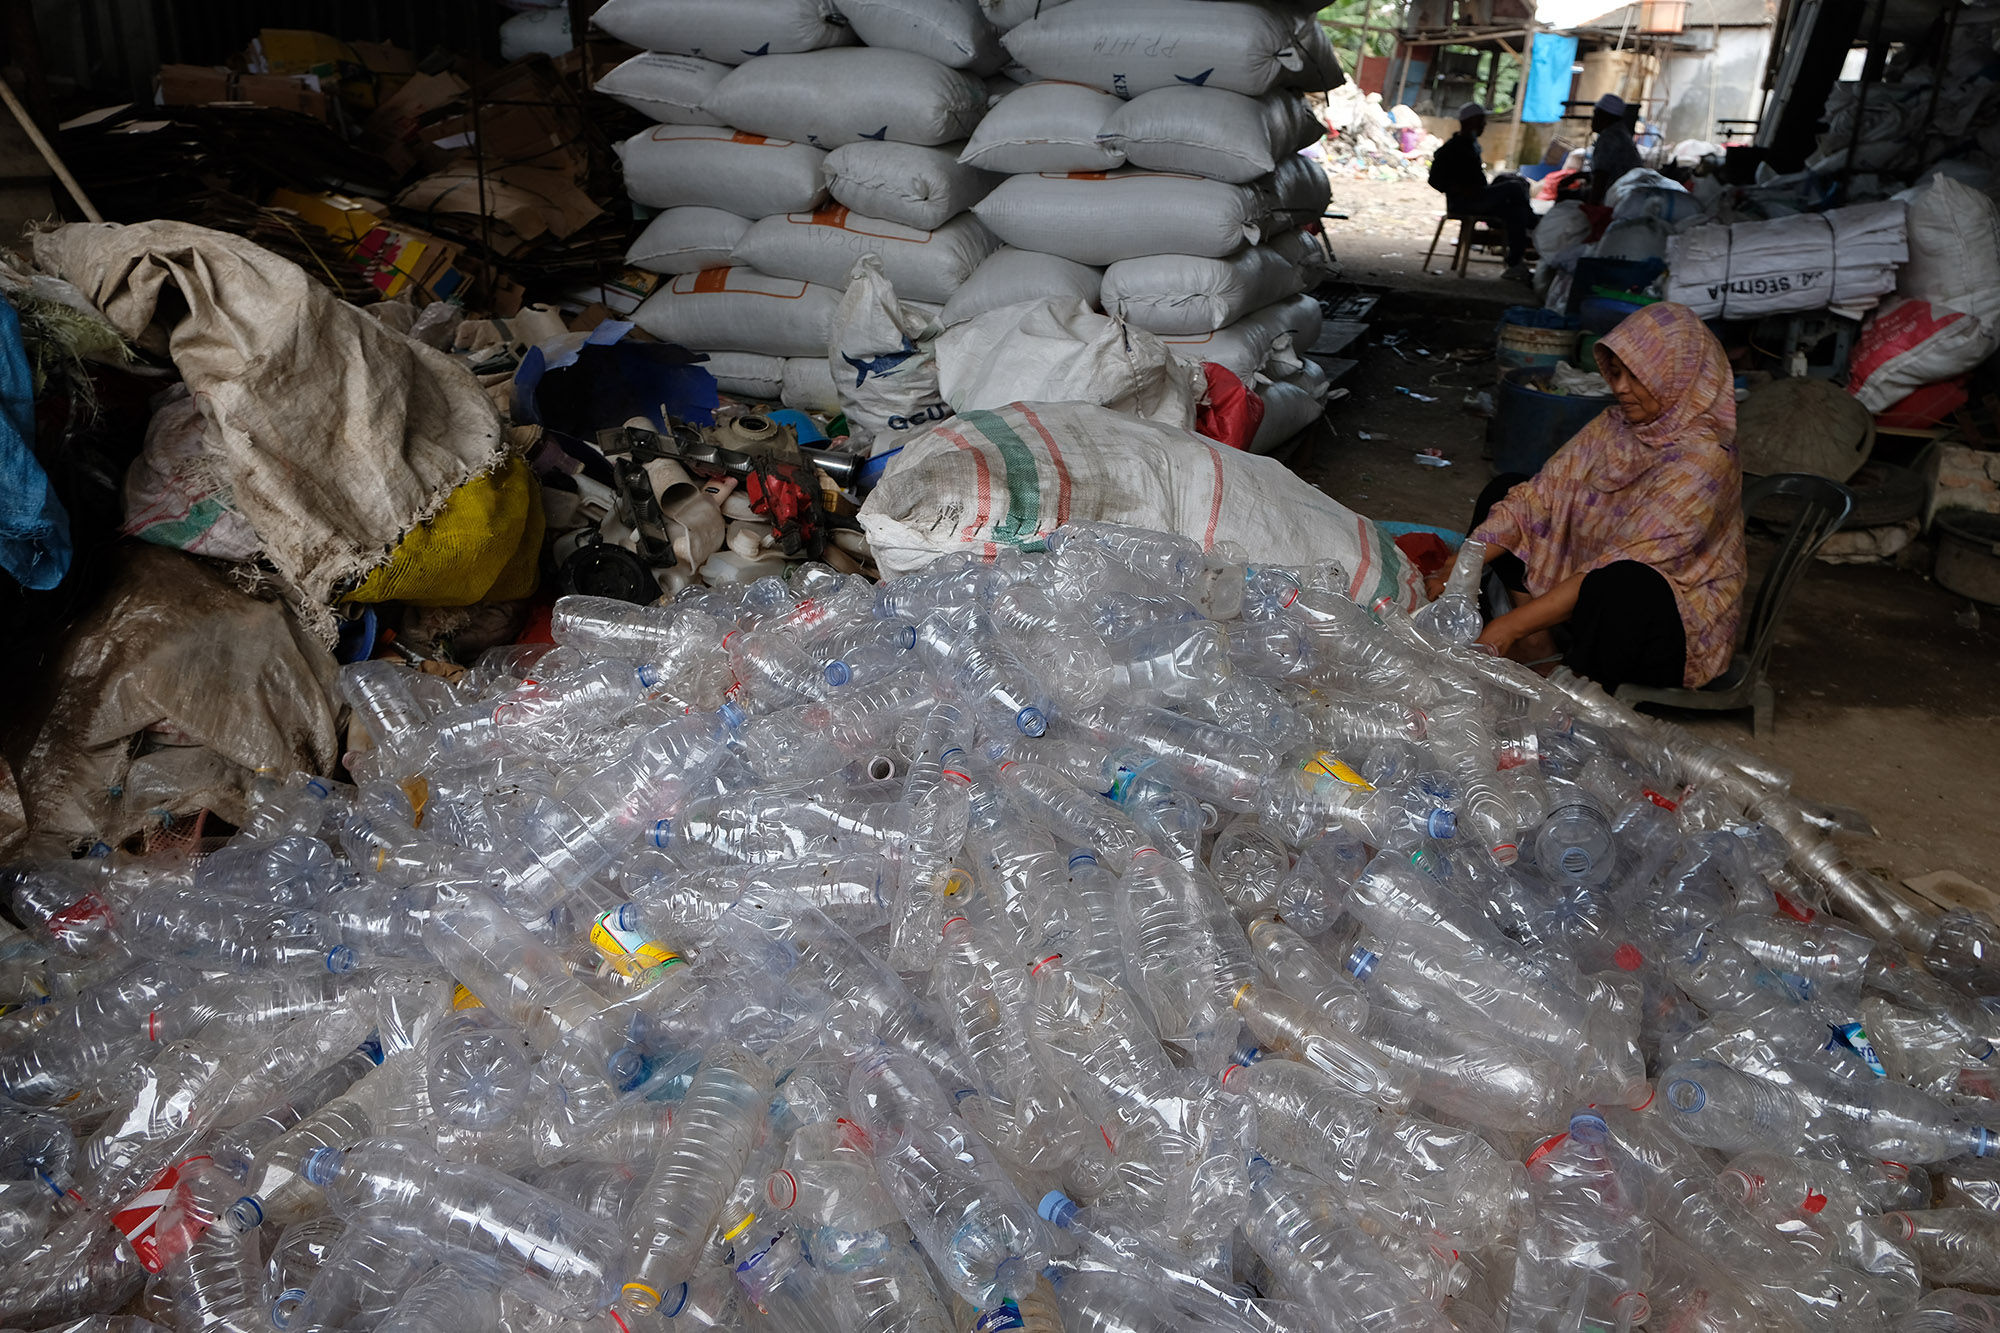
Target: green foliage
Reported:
point(1343, 21)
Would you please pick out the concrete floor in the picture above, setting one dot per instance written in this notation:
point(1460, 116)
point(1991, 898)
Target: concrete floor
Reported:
point(1888, 686)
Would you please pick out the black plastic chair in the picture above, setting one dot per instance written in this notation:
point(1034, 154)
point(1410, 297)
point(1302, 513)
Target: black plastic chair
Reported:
point(1818, 508)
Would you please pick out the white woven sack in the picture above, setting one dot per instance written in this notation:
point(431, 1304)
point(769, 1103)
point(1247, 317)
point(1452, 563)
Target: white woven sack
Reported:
point(1300, 191)
point(1010, 477)
point(903, 182)
point(747, 374)
point(1010, 276)
point(1005, 14)
point(883, 361)
point(951, 32)
point(713, 166)
point(687, 240)
point(1954, 249)
point(1267, 342)
point(1288, 409)
point(1060, 351)
point(1101, 218)
point(809, 385)
point(1129, 47)
point(1307, 250)
point(731, 31)
point(667, 87)
point(822, 247)
point(1211, 132)
point(1185, 294)
point(830, 98)
point(1045, 127)
point(740, 310)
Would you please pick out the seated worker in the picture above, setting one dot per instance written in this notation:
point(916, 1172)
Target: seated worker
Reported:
point(1457, 172)
point(1631, 536)
point(1614, 153)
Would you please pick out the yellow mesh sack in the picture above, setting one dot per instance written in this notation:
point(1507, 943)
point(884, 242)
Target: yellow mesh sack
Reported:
point(484, 545)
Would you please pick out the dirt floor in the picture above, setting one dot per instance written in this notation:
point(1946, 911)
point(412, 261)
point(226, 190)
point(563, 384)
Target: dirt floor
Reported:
point(1888, 686)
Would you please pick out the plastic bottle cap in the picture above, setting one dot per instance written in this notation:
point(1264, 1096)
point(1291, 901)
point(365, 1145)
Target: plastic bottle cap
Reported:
point(322, 1165)
point(732, 715)
point(340, 958)
point(1588, 1127)
point(1684, 1094)
point(1360, 963)
point(1628, 958)
point(1442, 824)
point(837, 673)
point(663, 833)
point(1058, 1208)
point(1031, 722)
point(1075, 857)
point(1986, 1144)
point(247, 1213)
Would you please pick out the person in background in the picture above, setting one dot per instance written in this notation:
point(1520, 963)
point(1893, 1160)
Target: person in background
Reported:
point(1625, 552)
point(1459, 174)
point(1614, 153)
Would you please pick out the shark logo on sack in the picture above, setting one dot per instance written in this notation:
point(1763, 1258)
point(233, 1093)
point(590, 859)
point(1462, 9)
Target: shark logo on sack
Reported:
point(1198, 81)
point(864, 366)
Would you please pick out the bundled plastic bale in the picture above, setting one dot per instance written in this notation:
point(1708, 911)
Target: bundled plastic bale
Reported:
point(915, 185)
point(1054, 127)
point(728, 31)
point(1102, 217)
point(1261, 342)
point(699, 166)
point(822, 246)
point(1129, 47)
point(741, 310)
point(687, 240)
point(670, 88)
point(1211, 132)
point(951, 32)
point(1011, 277)
point(1061, 352)
point(831, 98)
point(747, 374)
point(1183, 294)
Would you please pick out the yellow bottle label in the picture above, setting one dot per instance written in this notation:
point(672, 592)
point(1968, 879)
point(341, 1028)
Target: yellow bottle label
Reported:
point(461, 998)
point(1326, 765)
point(627, 950)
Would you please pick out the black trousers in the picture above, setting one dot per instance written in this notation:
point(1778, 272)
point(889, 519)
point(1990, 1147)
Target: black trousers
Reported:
point(1626, 628)
point(1506, 199)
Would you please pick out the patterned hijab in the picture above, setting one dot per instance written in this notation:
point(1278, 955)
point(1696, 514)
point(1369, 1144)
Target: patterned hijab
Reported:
point(1669, 350)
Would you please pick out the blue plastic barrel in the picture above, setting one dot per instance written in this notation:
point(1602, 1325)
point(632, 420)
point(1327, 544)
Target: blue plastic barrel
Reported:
point(1530, 424)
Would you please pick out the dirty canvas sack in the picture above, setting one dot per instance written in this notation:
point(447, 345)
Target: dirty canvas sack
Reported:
point(172, 496)
point(809, 385)
point(883, 362)
point(951, 32)
point(730, 31)
point(687, 240)
point(1266, 342)
point(667, 87)
point(1103, 217)
point(1129, 47)
point(747, 374)
point(822, 247)
point(1010, 276)
point(741, 310)
point(913, 184)
point(1011, 476)
point(1211, 132)
point(1062, 351)
point(1053, 127)
point(332, 470)
point(1184, 294)
point(713, 166)
point(831, 98)
point(1909, 343)
point(1954, 240)
point(1300, 192)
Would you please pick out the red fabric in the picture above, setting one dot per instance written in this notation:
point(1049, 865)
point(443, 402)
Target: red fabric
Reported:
point(1228, 413)
point(538, 629)
point(1426, 550)
point(1898, 328)
point(1545, 188)
point(1600, 218)
point(1925, 407)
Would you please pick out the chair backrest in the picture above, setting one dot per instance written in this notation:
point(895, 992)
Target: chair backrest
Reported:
point(1822, 507)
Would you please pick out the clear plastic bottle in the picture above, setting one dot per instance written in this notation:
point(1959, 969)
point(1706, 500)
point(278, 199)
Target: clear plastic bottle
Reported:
point(1953, 1245)
point(361, 1276)
point(1720, 1107)
point(1454, 619)
point(1305, 974)
point(1573, 844)
point(1823, 960)
point(445, 1301)
point(1072, 812)
point(986, 675)
point(1583, 1258)
point(1169, 663)
point(1173, 560)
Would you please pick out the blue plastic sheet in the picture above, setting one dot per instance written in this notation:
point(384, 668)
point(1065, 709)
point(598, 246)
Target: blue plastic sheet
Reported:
point(34, 526)
point(1548, 77)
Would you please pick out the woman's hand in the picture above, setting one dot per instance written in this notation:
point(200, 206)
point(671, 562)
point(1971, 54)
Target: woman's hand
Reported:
point(1434, 583)
point(1501, 634)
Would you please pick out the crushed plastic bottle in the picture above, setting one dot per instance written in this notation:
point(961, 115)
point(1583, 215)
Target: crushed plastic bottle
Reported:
point(1113, 938)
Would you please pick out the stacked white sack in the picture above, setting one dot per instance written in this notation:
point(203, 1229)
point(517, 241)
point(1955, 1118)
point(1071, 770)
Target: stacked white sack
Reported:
point(1845, 259)
point(785, 151)
point(1153, 171)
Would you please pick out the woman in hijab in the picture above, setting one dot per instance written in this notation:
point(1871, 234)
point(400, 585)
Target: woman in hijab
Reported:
point(1631, 536)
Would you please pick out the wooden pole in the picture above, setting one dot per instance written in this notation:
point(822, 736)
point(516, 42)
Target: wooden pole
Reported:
point(48, 153)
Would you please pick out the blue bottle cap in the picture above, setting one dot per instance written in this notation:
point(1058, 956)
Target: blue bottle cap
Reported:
point(340, 958)
point(1442, 824)
point(1588, 1126)
point(732, 715)
point(1058, 1208)
point(1985, 1142)
point(246, 1213)
point(838, 673)
point(322, 1165)
point(1031, 722)
point(1360, 963)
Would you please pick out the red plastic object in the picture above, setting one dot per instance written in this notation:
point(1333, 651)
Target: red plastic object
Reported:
point(1925, 407)
point(1427, 551)
point(1229, 413)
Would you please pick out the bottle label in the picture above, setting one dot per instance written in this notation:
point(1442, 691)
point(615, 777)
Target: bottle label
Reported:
point(139, 1219)
point(1327, 765)
point(1850, 1036)
point(1002, 1316)
point(627, 950)
point(461, 998)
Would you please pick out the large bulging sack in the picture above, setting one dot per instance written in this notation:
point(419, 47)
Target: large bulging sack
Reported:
point(1211, 132)
point(1103, 217)
point(1184, 294)
point(687, 240)
point(747, 374)
point(830, 98)
point(1061, 351)
point(822, 247)
point(669, 88)
point(1954, 238)
point(809, 385)
point(1011, 476)
point(951, 32)
point(1051, 127)
point(1010, 277)
point(1267, 342)
point(1005, 14)
point(912, 184)
point(882, 360)
point(1300, 191)
point(1129, 47)
point(1909, 343)
point(741, 310)
point(730, 31)
point(713, 166)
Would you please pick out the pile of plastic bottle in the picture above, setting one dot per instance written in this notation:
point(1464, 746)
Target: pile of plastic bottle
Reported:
point(1117, 939)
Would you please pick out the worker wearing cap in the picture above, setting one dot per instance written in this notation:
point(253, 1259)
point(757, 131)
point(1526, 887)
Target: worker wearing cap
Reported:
point(1459, 174)
point(1614, 153)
